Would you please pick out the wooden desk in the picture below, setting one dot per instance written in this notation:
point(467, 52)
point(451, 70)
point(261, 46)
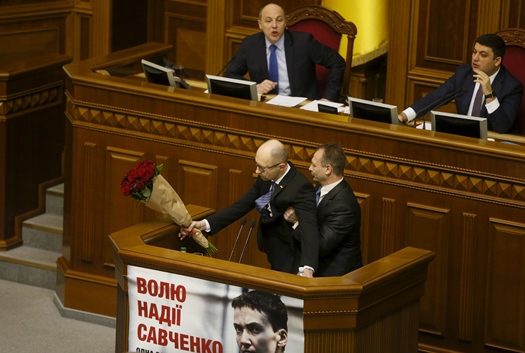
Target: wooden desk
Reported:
point(462, 198)
point(345, 313)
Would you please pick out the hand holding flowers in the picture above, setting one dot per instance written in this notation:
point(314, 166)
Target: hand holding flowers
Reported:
point(145, 184)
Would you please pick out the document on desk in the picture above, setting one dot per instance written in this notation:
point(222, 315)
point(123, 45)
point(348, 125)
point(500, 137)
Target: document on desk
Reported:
point(312, 106)
point(286, 101)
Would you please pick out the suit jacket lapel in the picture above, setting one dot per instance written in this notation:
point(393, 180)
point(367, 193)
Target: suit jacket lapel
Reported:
point(289, 53)
point(286, 180)
point(331, 194)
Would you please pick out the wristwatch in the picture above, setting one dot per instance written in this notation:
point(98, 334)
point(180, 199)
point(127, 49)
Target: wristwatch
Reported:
point(490, 95)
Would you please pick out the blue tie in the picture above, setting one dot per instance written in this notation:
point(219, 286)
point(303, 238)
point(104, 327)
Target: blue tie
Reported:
point(274, 70)
point(264, 200)
point(317, 196)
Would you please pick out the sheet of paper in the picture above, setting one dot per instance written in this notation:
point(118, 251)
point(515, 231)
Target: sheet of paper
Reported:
point(312, 106)
point(286, 101)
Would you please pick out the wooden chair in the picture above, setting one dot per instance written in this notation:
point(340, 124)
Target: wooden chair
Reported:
point(514, 61)
point(328, 27)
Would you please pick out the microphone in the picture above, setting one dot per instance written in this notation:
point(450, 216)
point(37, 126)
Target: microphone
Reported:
point(171, 65)
point(440, 102)
point(247, 238)
point(243, 222)
point(236, 62)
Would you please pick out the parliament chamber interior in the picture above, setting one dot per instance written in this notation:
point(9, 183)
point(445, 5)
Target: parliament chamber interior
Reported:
point(85, 95)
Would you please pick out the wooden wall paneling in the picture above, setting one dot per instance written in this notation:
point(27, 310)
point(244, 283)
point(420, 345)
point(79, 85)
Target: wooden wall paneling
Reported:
point(156, 24)
point(216, 54)
point(388, 222)
point(504, 316)
point(193, 179)
point(399, 42)
point(101, 28)
point(129, 24)
point(365, 205)
point(442, 39)
point(435, 223)
point(32, 137)
point(489, 17)
point(186, 30)
point(120, 210)
point(512, 14)
point(90, 199)
point(82, 34)
point(34, 31)
point(467, 293)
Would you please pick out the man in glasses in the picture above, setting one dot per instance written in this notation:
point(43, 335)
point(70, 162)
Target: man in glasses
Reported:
point(279, 185)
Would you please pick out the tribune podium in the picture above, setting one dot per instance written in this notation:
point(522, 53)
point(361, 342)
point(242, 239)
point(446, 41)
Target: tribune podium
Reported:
point(372, 309)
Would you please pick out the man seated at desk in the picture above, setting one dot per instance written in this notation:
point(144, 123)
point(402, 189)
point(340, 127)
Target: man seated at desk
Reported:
point(283, 62)
point(498, 92)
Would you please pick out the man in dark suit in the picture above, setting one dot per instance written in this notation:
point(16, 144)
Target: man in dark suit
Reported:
point(338, 213)
point(297, 53)
point(287, 248)
point(501, 91)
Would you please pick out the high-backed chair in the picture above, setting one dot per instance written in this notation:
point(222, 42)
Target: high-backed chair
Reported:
point(327, 27)
point(514, 60)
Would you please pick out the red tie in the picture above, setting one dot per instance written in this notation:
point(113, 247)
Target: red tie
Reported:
point(476, 108)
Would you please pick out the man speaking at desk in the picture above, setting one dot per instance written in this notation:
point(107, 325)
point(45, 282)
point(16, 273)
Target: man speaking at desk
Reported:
point(485, 88)
point(283, 62)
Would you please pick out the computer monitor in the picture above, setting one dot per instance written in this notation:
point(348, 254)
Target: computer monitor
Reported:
point(162, 75)
point(370, 110)
point(457, 124)
point(232, 87)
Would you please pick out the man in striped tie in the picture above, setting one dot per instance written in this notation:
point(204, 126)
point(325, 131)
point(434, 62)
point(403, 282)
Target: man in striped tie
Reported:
point(279, 185)
point(489, 89)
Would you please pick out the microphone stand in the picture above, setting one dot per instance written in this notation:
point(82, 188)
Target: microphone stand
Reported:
point(247, 238)
point(243, 222)
point(442, 101)
point(236, 62)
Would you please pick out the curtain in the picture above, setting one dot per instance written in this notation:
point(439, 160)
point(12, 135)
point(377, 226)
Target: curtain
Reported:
point(371, 20)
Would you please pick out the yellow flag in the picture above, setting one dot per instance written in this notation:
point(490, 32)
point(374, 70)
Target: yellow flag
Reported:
point(370, 18)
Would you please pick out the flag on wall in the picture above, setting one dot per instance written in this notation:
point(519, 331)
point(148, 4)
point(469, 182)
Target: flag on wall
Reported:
point(370, 18)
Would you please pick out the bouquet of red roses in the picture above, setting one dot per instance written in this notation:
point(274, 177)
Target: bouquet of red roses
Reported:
point(145, 184)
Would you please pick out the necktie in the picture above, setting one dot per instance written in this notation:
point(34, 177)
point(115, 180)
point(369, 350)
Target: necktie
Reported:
point(264, 200)
point(476, 108)
point(317, 196)
point(273, 70)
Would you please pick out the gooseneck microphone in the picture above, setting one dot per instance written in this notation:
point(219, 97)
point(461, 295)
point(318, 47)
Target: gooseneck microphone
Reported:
point(234, 61)
point(247, 238)
point(243, 222)
point(440, 102)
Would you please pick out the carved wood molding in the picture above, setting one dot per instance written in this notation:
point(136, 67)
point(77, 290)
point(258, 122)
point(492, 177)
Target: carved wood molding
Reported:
point(442, 179)
point(331, 18)
point(513, 36)
point(30, 100)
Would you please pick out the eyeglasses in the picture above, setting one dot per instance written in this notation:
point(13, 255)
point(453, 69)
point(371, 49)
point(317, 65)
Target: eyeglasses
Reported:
point(263, 170)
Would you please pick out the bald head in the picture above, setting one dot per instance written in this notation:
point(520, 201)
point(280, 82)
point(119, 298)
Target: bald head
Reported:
point(272, 22)
point(272, 151)
point(270, 159)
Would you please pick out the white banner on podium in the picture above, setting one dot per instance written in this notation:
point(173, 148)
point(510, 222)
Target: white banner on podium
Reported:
point(171, 313)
